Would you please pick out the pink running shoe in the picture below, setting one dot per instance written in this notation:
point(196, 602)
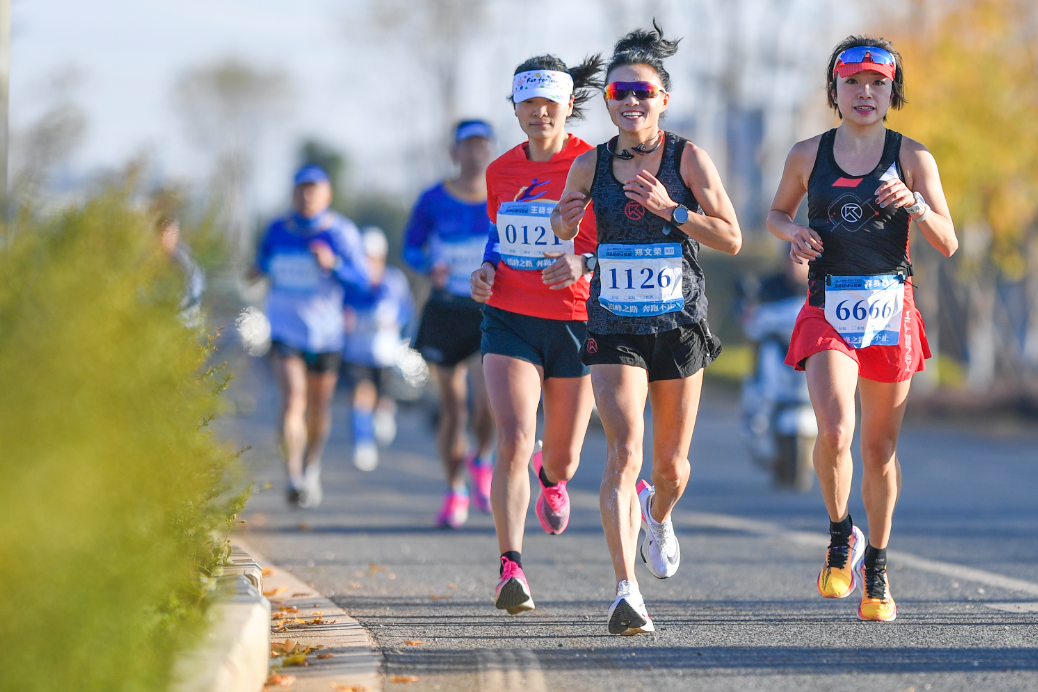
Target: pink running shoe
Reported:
point(512, 593)
point(553, 504)
point(482, 475)
point(455, 511)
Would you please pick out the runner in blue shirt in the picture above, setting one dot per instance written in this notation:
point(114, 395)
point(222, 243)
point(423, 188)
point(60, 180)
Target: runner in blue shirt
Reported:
point(445, 238)
point(374, 321)
point(309, 257)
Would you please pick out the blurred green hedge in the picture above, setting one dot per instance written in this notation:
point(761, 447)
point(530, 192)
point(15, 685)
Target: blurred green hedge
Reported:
point(114, 493)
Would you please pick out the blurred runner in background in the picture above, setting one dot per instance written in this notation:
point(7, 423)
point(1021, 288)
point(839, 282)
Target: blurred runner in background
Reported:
point(445, 239)
point(309, 256)
point(374, 320)
point(535, 289)
point(173, 246)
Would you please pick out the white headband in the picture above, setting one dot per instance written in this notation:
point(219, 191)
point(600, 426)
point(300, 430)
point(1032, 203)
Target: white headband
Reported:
point(549, 84)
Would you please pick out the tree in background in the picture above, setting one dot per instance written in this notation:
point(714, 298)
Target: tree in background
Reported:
point(973, 101)
point(228, 107)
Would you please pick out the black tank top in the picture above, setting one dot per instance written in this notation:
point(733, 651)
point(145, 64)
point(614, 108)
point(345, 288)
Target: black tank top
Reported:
point(858, 237)
point(623, 221)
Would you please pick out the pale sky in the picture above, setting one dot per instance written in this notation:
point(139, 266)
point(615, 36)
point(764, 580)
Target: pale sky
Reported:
point(368, 94)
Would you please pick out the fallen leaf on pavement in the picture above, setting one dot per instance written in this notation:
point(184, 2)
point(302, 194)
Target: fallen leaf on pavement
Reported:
point(267, 571)
point(404, 678)
point(301, 593)
point(354, 585)
point(413, 642)
point(452, 586)
point(373, 568)
point(294, 660)
point(349, 688)
point(276, 592)
point(439, 597)
point(325, 655)
point(280, 680)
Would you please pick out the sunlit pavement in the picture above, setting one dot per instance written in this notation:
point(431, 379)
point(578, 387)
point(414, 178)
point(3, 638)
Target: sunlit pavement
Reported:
point(742, 613)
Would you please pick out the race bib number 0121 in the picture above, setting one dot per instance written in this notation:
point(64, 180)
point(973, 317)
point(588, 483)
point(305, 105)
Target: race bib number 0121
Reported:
point(865, 310)
point(524, 229)
point(641, 280)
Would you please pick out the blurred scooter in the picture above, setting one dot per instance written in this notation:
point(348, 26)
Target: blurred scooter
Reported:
point(777, 420)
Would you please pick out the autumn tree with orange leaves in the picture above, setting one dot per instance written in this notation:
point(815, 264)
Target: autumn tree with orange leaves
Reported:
point(972, 79)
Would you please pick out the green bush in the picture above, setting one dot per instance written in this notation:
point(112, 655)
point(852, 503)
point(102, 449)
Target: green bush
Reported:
point(111, 482)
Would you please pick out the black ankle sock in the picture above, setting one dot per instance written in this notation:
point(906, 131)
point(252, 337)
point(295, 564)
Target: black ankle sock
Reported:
point(841, 529)
point(512, 555)
point(544, 479)
point(875, 558)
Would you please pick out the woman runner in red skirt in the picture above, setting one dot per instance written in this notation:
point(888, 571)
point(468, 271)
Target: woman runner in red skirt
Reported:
point(860, 329)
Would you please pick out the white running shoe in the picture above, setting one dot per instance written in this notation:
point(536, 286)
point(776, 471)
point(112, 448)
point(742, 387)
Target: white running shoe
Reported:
point(660, 550)
point(365, 455)
point(385, 427)
point(627, 615)
point(314, 494)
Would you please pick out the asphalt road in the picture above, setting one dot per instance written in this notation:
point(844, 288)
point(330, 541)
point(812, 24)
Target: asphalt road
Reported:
point(741, 614)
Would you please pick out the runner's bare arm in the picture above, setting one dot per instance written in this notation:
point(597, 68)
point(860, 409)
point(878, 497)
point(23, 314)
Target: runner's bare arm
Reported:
point(805, 244)
point(717, 227)
point(922, 176)
point(565, 219)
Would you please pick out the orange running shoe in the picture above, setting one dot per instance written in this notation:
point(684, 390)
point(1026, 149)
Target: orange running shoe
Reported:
point(876, 601)
point(839, 576)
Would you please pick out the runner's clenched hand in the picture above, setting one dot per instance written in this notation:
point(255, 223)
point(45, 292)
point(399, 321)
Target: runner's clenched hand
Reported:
point(481, 281)
point(565, 271)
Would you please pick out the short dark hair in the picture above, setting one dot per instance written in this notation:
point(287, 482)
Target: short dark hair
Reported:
point(641, 47)
point(585, 76)
point(897, 93)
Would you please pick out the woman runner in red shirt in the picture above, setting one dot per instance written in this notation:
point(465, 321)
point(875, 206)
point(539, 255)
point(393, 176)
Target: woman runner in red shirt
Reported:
point(534, 320)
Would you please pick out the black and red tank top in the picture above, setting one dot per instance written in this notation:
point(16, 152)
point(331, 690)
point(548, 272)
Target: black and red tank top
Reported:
point(622, 221)
point(859, 238)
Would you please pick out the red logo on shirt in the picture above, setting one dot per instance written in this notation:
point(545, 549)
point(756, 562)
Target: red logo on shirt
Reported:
point(591, 345)
point(634, 211)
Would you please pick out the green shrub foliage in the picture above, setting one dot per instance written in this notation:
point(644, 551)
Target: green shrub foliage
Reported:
point(113, 488)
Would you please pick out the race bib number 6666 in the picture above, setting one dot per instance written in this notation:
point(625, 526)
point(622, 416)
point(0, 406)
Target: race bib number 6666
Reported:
point(865, 310)
point(524, 229)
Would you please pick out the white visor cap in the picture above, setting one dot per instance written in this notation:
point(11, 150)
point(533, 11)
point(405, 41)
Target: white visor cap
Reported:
point(549, 84)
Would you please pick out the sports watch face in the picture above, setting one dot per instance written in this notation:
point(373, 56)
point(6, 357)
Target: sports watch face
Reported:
point(680, 215)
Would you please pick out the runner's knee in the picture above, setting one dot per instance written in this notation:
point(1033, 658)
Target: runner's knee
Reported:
point(672, 472)
point(834, 437)
point(878, 452)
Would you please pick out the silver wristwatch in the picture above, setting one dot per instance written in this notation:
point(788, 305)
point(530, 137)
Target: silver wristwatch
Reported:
point(919, 205)
point(680, 215)
point(590, 262)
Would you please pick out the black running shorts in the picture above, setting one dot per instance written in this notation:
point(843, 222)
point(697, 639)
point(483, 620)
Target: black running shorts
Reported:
point(449, 332)
point(316, 363)
point(669, 355)
point(552, 344)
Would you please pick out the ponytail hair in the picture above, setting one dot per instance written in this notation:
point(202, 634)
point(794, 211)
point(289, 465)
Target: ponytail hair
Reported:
point(585, 76)
point(641, 47)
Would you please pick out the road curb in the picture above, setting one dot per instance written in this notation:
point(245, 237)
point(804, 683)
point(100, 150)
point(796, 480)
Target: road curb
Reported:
point(351, 660)
point(234, 655)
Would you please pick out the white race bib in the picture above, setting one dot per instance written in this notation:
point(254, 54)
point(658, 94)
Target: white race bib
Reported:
point(865, 310)
point(525, 232)
point(641, 280)
point(462, 258)
point(297, 272)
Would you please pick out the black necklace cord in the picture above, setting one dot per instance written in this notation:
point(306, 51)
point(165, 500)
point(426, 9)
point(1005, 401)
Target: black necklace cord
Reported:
point(626, 155)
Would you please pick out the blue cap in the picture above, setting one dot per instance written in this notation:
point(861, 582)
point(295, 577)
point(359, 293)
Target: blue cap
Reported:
point(311, 174)
point(473, 128)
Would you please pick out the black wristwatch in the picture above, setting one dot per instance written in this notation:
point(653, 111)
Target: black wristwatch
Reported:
point(680, 215)
point(590, 261)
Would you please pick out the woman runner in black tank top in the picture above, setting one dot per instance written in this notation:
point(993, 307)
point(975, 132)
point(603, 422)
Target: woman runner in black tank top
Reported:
point(656, 198)
point(859, 328)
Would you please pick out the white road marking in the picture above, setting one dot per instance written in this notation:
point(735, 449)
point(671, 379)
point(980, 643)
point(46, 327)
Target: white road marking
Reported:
point(509, 670)
point(821, 540)
point(1013, 607)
